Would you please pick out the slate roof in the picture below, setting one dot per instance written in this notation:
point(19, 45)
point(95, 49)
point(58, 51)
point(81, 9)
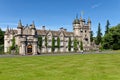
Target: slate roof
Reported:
point(45, 32)
point(54, 33)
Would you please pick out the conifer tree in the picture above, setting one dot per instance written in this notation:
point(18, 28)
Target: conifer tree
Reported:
point(1, 37)
point(46, 42)
point(81, 45)
point(107, 27)
point(99, 35)
point(58, 43)
point(40, 42)
point(69, 44)
point(12, 47)
point(75, 45)
point(53, 44)
point(91, 36)
point(13, 44)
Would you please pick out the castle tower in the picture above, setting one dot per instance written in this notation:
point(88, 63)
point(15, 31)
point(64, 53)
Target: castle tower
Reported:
point(86, 35)
point(76, 27)
point(82, 31)
point(11, 35)
point(20, 27)
point(33, 28)
point(81, 22)
point(89, 23)
point(89, 30)
point(6, 45)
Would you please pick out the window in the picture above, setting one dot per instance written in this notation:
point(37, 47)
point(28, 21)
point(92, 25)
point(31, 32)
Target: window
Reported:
point(81, 30)
point(86, 39)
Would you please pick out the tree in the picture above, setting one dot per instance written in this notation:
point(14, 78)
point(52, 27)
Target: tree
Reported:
point(69, 44)
point(46, 43)
point(112, 39)
point(99, 36)
point(40, 42)
point(58, 43)
point(1, 41)
point(81, 45)
point(53, 44)
point(12, 47)
point(1, 49)
point(91, 36)
point(75, 45)
point(107, 27)
point(1, 37)
point(16, 49)
point(13, 44)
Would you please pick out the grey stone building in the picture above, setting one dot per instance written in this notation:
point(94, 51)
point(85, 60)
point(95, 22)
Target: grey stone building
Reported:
point(26, 38)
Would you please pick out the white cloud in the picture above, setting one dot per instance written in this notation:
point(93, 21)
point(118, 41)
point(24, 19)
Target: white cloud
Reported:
point(96, 5)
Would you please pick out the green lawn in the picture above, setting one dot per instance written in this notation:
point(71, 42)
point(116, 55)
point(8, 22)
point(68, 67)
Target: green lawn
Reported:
point(64, 67)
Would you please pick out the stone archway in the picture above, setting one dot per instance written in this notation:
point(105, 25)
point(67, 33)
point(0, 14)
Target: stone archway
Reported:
point(29, 49)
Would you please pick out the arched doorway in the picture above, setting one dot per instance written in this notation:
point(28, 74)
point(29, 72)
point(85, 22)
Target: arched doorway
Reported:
point(29, 49)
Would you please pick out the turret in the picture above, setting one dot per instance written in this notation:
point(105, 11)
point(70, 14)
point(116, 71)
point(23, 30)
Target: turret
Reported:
point(7, 31)
point(11, 34)
point(6, 44)
point(76, 26)
point(89, 22)
point(33, 25)
point(33, 28)
point(20, 27)
point(81, 22)
point(12, 31)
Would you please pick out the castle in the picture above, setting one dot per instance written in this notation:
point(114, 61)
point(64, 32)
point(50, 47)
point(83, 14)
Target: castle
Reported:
point(26, 38)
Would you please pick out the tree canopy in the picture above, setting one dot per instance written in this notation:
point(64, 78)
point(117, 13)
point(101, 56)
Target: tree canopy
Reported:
point(40, 42)
point(91, 36)
point(1, 37)
point(69, 44)
point(112, 39)
point(81, 45)
point(46, 41)
point(53, 44)
point(58, 43)
point(75, 45)
point(107, 26)
point(99, 35)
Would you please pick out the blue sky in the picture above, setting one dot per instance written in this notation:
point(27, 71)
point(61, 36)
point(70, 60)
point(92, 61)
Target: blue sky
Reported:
point(58, 13)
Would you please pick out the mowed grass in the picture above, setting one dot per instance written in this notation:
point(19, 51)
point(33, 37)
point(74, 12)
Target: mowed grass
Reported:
point(62, 67)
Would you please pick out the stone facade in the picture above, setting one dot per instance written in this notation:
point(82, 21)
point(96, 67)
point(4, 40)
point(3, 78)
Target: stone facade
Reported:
point(26, 37)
